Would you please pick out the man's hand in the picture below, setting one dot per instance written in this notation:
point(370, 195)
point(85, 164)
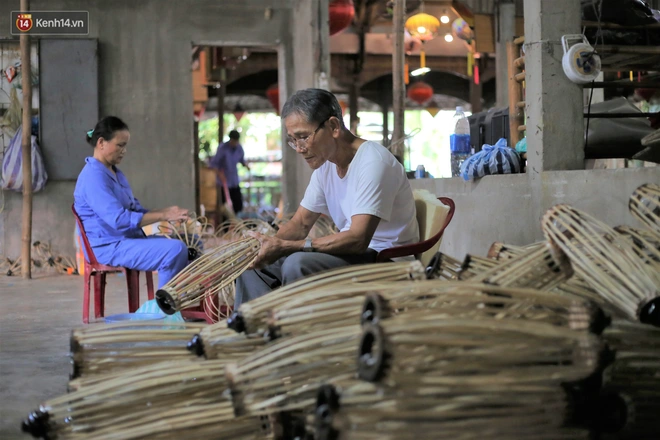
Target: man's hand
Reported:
point(271, 250)
point(174, 214)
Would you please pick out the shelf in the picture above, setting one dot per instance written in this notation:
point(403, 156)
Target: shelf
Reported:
point(624, 58)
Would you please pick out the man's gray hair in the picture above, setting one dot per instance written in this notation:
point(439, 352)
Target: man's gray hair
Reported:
point(315, 105)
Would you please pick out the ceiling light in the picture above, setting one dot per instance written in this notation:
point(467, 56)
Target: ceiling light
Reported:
point(421, 30)
point(444, 19)
point(420, 71)
point(449, 38)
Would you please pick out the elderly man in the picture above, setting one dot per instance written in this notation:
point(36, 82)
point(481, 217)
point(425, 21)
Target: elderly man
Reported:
point(358, 183)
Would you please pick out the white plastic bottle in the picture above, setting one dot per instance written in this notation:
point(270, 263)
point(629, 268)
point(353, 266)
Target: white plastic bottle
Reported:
point(459, 141)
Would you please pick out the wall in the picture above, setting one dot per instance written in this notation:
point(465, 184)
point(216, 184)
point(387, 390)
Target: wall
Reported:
point(502, 208)
point(145, 78)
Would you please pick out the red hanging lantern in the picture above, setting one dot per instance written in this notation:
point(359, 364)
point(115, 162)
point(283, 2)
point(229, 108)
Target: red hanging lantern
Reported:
point(238, 112)
point(341, 15)
point(420, 92)
point(273, 95)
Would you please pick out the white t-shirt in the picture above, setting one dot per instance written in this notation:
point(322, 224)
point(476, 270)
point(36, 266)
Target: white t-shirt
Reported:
point(374, 184)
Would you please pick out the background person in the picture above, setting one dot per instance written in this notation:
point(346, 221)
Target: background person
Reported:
point(225, 162)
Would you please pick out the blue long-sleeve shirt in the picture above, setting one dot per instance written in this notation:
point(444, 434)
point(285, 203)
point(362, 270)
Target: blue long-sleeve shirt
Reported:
point(227, 159)
point(106, 205)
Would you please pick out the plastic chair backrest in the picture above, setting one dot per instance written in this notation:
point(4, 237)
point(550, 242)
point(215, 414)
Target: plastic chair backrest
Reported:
point(88, 249)
point(421, 246)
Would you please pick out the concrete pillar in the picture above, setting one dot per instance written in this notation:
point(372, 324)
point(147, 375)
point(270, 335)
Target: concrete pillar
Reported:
point(505, 29)
point(303, 62)
point(555, 123)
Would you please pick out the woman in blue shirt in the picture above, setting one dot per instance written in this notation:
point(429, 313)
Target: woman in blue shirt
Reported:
point(113, 217)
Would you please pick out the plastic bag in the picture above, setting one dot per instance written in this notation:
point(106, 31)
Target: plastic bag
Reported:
point(492, 159)
point(521, 145)
point(151, 306)
point(12, 165)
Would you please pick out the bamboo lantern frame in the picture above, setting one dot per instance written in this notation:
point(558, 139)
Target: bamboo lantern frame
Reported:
point(606, 260)
point(112, 348)
point(539, 267)
point(192, 232)
point(218, 342)
point(630, 398)
point(284, 375)
point(417, 349)
point(252, 317)
point(644, 205)
point(449, 300)
point(130, 399)
point(351, 409)
point(213, 272)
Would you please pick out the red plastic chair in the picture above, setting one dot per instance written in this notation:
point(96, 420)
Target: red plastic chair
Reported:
point(422, 246)
point(97, 270)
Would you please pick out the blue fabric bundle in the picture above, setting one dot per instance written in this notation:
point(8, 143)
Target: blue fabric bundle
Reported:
point(492, 159)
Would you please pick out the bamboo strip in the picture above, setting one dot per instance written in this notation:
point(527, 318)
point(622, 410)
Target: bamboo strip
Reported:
point(520, 77)
point(606, 260)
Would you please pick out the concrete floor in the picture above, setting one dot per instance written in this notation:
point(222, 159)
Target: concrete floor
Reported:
point(36, 319)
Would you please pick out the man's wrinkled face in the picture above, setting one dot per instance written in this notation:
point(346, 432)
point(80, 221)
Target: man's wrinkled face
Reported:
point(307, 139)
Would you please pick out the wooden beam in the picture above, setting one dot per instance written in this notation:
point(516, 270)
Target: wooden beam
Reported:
point(26, 147)
point(398, 86)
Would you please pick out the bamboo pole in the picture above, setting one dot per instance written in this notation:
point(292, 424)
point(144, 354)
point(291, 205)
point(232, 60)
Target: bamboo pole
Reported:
point(26, 258)
point(398, 86)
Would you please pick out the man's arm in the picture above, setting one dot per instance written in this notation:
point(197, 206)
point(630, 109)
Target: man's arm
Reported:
point(354, 241)
point(299, 226)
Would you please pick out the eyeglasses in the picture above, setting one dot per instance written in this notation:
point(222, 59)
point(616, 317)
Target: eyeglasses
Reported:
point(293, 143)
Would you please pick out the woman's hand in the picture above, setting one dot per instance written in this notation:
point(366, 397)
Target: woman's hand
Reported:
point(175, 214)
point(270, 252)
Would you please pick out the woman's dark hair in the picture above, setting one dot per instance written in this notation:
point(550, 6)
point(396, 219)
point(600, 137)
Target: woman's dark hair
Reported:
point(315, 105)
point(106, 129)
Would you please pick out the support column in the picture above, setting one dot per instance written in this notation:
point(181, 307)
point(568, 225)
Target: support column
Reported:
point(555, 133)
point(505, 29)
point(353, 95)
point(305, 39)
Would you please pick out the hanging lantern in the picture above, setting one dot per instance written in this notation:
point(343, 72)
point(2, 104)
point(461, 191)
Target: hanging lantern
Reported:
point(432, 108)
point(423, 26)
point(198, 111)
point(273, 95)
point(341, 15)
point(420, 92)
point(238, 112)
point(462, 30)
